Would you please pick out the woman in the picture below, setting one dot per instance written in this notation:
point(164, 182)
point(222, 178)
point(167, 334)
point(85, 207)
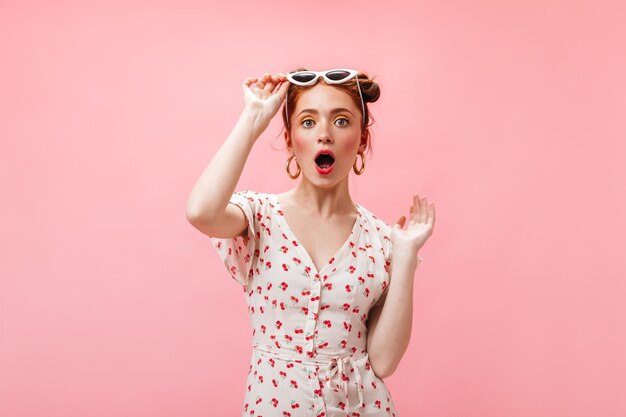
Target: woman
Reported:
point(328, 325)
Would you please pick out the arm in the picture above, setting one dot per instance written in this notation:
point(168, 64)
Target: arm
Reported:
point(210, 195)
point(389, 325)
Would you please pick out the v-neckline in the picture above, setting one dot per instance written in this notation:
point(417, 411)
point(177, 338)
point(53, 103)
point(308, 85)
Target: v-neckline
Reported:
point(302, 250)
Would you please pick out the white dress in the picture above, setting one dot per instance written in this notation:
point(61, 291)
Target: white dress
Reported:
point(309, 354)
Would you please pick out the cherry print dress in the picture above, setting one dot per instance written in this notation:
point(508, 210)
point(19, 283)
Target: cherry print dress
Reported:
point(309, 330)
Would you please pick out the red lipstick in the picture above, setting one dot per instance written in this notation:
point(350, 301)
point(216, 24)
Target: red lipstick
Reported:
point(328, 167)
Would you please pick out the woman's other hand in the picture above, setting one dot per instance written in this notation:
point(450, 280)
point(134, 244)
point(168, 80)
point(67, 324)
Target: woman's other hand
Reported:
point(419, 229)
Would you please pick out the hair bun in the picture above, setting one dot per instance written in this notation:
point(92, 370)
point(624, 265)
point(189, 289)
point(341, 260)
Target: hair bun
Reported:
point(369, 88)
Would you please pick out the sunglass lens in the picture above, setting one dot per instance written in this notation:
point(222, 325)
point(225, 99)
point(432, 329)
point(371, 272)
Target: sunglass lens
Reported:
point(304, 77)
point(337, 75)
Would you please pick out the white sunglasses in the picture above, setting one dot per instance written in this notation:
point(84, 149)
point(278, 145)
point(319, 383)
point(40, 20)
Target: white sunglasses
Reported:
point(333, 76)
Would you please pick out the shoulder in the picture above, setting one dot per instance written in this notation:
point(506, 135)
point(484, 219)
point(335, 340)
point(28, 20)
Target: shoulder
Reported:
point(378, 229)
point(253, 203)
point(374, 222)
point(255, 199)
point(249, 194)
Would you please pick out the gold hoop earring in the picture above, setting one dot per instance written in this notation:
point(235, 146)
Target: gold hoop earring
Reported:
point(293, 177)
point(360, 171)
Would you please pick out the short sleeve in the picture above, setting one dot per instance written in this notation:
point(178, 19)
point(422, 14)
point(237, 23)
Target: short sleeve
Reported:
point(237, 253)
point(388, 250)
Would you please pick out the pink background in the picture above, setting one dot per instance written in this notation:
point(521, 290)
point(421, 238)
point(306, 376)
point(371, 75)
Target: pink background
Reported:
point(508, 115)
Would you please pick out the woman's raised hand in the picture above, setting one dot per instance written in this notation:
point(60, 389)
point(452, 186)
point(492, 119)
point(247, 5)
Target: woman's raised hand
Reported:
point(265, 94)
point(419, 229)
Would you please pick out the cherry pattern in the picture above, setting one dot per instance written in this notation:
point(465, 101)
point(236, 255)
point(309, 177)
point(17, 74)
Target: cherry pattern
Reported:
point(309, 327)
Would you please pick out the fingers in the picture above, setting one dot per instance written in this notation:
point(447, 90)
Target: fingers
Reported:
point(282, 90)
point(401, 221)
point(431, 214)
point(428, 212)
point(266, 82)
point(421, 211)
point(418, 207)
point(249, 81)
point(424, 211)
point(254, 82)
point(269, 85)
point(280, 81)
point(274, 81)
point(415, 210)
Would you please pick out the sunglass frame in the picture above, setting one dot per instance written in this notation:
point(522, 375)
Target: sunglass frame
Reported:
point(351, 74)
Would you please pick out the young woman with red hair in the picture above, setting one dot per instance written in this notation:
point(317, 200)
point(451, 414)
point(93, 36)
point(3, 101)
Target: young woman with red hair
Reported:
point(331, 308)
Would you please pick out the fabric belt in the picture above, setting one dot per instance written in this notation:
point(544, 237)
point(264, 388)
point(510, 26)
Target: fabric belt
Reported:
point(334, 366)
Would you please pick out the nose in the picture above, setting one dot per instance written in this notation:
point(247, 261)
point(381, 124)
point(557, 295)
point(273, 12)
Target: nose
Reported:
point(324, 136)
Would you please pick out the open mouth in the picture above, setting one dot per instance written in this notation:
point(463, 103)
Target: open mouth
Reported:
point(324, 160)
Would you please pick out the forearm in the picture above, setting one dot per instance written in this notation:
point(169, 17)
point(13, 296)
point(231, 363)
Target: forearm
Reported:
point(216, 184)
point(393, 327)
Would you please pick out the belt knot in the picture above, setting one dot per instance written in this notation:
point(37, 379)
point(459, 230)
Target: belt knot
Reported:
point(336, 375)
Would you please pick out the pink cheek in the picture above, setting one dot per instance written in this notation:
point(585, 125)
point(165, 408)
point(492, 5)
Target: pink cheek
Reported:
point(304, 146)
point(301, 144)
point(348, 146)
point(297, 140)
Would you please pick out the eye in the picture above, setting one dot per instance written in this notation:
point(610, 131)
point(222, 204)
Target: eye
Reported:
point(345, 120)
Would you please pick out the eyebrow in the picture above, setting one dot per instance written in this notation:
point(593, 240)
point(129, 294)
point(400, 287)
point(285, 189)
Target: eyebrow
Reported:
point(337, 110)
